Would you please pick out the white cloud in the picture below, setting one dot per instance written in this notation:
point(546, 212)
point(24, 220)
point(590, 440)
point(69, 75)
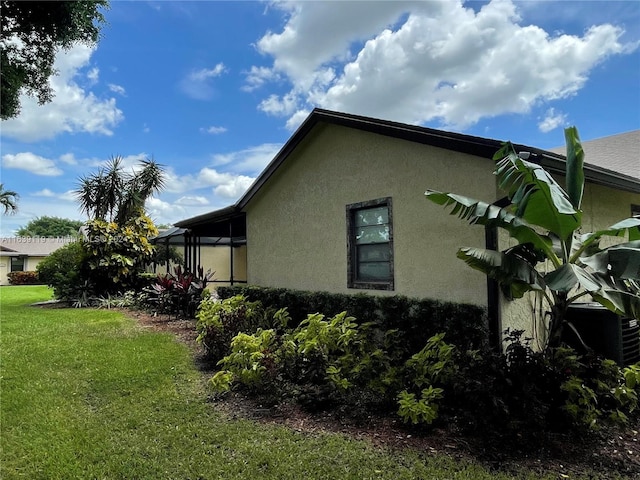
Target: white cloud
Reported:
point(234, 188)
point(197, 83)
point(117, 89)
point(31, 163)
point(44, 193)
point(73, 109)
point(258, 76)
point(213, 130)
point(552, 120)
point(250, 160)
point(69, 159)
point(420, 62)
point(205, 74)
point(191, 200)
point(68, 196)
point(205, 178)
point(93, 75)
point(157, 208)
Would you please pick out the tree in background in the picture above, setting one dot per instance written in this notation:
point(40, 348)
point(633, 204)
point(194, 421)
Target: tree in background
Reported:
point(32, 34)
point(50, 227)
point(8, 200)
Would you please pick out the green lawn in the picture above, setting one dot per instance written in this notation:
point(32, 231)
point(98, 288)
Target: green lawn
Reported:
point(89, 394)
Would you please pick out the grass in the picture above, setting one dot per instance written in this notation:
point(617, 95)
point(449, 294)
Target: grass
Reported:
point(90, 394)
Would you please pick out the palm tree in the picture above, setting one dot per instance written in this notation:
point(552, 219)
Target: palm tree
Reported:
point(546, 219)
point(115, 195)
point(8, 200)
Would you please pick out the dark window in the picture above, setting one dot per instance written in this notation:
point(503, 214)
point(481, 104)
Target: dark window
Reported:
point(17, 264)
point(370, 244)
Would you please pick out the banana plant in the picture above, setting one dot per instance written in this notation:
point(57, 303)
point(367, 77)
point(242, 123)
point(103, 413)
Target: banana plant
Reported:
point(545, 220)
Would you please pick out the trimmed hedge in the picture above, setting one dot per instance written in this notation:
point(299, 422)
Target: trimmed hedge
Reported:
point(417, 320)
point(24, 278)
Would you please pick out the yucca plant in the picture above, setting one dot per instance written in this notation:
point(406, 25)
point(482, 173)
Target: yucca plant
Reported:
point(545, 219)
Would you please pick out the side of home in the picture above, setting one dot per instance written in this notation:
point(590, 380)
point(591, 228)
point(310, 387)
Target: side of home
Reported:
point(341, 208)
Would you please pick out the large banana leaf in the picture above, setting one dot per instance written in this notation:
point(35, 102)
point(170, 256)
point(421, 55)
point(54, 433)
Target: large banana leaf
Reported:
point(538, 198)
point(619, 261)
point(630, 226)
point(510, 271)
point(571, 276)
point(619, 301)
point(482, 213)
point(575, 164)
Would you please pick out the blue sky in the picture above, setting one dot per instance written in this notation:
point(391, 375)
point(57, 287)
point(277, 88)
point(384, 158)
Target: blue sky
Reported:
point(212, 90)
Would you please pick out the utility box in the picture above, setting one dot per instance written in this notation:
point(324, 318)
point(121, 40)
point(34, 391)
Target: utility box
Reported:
point(607, 333)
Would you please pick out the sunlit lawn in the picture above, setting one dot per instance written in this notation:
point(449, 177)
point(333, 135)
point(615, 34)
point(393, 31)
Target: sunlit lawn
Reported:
point(90, 394)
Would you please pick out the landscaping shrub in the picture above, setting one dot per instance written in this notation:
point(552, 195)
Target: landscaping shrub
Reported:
point(357, 369)
point(219, 321)
point(416, 320)
point(179, 293)
point(117, 254)
point(23, 278)
point(65, 271)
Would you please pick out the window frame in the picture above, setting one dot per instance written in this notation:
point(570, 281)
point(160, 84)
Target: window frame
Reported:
point(22, 263)
point(352, 252)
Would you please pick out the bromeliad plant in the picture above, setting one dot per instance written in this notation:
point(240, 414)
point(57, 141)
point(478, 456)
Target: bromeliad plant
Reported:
point(546, 220)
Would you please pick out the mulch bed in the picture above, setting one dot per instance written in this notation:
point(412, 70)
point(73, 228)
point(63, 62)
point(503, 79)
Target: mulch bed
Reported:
point(613, 454)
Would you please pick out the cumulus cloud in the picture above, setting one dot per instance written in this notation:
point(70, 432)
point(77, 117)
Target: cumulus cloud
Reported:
point(258, 76)
point(420, 62)
point(73, 109)
point(552, 120)
point(31, 163)
point(197, 83)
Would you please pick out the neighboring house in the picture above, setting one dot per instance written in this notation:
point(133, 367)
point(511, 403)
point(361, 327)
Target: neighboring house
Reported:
point(24, 253)
point(341, 208)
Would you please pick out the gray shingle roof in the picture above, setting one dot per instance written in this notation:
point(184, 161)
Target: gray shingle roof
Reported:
point(620, 153)
point(32, 246)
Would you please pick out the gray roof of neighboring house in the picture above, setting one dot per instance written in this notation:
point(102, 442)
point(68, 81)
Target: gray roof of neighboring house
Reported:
point(620, 153)
point(31, 246)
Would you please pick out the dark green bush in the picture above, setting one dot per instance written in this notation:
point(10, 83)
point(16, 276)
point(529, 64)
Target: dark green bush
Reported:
point(416, 320)
point(220, 321)
point(23, 278)
point(64, 271)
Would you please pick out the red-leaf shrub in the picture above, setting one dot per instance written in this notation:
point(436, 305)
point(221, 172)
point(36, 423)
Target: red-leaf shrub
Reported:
point(23, 278)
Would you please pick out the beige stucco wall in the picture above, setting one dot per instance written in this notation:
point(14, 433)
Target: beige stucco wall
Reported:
point(602, 207)
point(297, 229)
point(30, 264)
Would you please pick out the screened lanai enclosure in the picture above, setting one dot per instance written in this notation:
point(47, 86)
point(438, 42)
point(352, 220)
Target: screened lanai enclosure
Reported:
point(216, 241)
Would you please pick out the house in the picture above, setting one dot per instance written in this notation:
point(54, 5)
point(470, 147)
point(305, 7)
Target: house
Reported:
point(341, 208)
point(24, 253)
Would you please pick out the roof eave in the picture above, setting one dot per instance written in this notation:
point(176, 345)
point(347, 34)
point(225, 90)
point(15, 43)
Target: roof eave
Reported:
point(221, 214)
